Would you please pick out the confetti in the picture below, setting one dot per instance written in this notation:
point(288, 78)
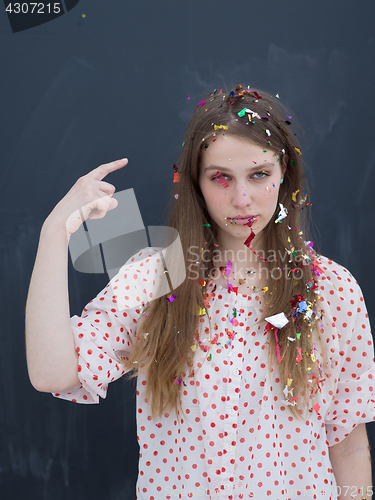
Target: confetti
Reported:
point(268, 328)
point(208, 298)
point(287, 391)
point(282, 130)
point(255, 94)
point(299, 358)
point(277, 347)
point(171, 298)
point(229, 268)
point(251, 237)
point(249, 111)
point(302, 306)
point(282, 214)
point(176, 177)
point(294, 195)
point(278, 320)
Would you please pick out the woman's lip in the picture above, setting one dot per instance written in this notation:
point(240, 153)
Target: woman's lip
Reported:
point(243, 218)
point(243, 221)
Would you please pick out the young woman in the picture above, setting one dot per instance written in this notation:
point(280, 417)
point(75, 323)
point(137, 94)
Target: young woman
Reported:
point(255, 375)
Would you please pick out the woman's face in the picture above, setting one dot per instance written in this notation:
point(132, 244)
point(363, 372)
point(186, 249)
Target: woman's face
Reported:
point(253, 181)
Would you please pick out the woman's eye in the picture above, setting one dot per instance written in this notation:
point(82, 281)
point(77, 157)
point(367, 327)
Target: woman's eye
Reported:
point(219, 177)
point(263, 174)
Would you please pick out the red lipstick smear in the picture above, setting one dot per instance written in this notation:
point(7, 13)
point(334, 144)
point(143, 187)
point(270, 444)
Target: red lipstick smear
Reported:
point(251, 237)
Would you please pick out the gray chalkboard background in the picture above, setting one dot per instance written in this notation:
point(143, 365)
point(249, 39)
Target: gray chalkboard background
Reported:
point(77, 92)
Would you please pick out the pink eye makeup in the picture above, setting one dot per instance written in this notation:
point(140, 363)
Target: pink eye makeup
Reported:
point(219, 178)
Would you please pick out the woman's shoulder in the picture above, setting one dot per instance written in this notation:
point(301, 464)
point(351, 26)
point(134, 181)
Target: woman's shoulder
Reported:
point(336, 282)
point(143, 255)
point(329, 269)
point(138, 279)
point(143, 268)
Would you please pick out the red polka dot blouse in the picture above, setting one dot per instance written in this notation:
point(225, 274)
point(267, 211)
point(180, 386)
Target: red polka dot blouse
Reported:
point(239, 439)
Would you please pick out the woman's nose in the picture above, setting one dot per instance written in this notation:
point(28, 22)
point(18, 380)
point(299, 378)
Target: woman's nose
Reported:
point(242, 195)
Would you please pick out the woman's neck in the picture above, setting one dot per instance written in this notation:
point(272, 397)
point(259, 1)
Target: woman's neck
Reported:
point(239, 254)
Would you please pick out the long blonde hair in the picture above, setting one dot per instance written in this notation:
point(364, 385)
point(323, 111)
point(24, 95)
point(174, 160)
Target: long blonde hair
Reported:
point(166, 352)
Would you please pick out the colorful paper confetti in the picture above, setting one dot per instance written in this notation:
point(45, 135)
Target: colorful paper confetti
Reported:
point(282, 214)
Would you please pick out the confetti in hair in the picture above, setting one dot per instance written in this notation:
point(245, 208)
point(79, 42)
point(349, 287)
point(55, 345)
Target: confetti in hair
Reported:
point(282, 214)
point(176, 177)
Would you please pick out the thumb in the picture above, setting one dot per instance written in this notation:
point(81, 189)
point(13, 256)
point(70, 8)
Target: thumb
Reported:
point(113, 204)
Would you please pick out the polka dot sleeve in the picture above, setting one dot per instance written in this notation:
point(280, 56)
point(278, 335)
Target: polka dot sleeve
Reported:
point(104, 332)
point(354, 400)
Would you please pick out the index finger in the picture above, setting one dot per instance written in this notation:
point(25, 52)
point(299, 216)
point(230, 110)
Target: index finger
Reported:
point(103, 170)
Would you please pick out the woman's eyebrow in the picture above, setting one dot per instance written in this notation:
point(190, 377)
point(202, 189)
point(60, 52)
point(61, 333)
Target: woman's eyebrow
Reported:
point(227, 169)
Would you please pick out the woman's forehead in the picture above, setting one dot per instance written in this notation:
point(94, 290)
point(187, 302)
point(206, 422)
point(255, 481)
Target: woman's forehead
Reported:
point(230, 148)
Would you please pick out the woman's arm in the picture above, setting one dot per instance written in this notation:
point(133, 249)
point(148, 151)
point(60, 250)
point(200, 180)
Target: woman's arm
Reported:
point(52, 360)
point(51, 357)
point(351, 464)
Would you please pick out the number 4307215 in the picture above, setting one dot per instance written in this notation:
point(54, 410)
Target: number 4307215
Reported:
point(33, 8)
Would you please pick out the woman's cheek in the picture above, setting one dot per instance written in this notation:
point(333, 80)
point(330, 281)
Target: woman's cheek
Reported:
point(271, 190)
point(213, 197)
